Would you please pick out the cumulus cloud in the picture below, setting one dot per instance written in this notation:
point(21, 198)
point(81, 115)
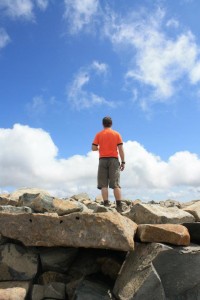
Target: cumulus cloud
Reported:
point(17, 8)
point(4, 38)
point(29, 157)
point(80, 13)
point(77, 93)
point(157, 60)
point(22, 8)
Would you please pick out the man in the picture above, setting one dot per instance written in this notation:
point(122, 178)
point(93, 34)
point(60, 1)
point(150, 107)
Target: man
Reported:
point(109, 144)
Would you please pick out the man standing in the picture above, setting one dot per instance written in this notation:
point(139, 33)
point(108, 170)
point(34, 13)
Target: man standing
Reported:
point(109, 144)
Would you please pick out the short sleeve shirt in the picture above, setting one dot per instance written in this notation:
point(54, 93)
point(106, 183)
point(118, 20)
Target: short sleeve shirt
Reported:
point(108, 140)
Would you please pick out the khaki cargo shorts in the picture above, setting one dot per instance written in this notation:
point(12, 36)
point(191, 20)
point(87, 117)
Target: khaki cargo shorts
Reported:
point(108, 173)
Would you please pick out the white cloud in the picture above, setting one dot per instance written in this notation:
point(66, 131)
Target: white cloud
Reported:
point(4, 38)
point(80, 13)
point(42, 4)
point(101, 68)
point(28, 157)
point(78, 93)
point(37, 106)
point(156, 60)
point(17, 8)
point(22, 8)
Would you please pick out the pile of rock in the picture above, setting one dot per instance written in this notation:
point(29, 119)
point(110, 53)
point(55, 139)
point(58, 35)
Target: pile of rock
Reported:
point(75, 248)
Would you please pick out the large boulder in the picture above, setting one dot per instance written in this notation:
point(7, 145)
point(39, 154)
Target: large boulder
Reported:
point(164, 233)
point(178, 269)
point(194, 209)
point(101, 230)
point(17, 263)
point(155, 214)
point(138, 278)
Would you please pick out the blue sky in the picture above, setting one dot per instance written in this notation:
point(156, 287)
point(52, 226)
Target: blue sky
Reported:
point(66, 64)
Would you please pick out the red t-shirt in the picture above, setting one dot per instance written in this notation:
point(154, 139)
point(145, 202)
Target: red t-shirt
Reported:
point(108, 140)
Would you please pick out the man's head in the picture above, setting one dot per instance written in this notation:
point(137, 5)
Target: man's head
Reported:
point(107, 122)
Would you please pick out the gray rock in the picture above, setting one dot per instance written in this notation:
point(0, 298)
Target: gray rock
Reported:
point(156, 214)
point(194, 231)
point(54, 290)
point(38, 202)
point(178, 268)
point(51, 276)
point(138, 278)
point(57, 259)
point(89, 289)
point(15, 210)
point(81, 196)
point(17, 263)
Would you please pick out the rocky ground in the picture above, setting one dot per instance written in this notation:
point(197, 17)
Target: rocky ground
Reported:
point(75, 248)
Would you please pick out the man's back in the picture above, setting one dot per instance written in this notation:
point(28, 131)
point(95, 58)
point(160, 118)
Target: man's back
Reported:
point(108, 140)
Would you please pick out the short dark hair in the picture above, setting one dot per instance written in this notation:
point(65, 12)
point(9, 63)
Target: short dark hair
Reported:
point(107, 122)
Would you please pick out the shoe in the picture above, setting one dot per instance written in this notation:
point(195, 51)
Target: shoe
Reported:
point(122, 208)
point(106, 203)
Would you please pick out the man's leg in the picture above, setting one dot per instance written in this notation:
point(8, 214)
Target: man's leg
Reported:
point(117, 194)
point(104, 193)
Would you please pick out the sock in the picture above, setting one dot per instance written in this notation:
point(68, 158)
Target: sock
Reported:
point(118, 202)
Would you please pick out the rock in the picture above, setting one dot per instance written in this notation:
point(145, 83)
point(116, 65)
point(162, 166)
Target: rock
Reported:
point(164, 233)
point(138, 278)
point(64, 207)
point(17, 263)
point(16, 210)
point(170, 203)
point(38, 202)
point(110, 266)
point(156, 214)
point(42, 203)
point(4, 199)
point(194, 209)
point(15, 293)
point(194, 231)
point(178, 268)
point(57, 259)
point(14, 290)
point(54, 290)
point(111, 230)
point(94, 290)
point(185, 204)
point(14, 196)
point(51, 276)
point(81, 196)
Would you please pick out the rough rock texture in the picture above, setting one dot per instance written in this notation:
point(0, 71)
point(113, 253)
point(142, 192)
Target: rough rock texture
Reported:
point(14, 290)
point(164, 233)
point(94, 290)
point(138, 279)
point(111, 230)
point(156, 214)
point(17, 263)
point(194, 209)
point(194, 230)
point(178, 268)
point(73, 248)
point(54, 290)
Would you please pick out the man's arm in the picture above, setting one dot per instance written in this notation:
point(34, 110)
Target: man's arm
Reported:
point(122, 156)
point(95, 147)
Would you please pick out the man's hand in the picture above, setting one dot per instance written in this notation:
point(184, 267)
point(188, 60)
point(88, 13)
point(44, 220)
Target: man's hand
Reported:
point(122, 166)
point(95, 147)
